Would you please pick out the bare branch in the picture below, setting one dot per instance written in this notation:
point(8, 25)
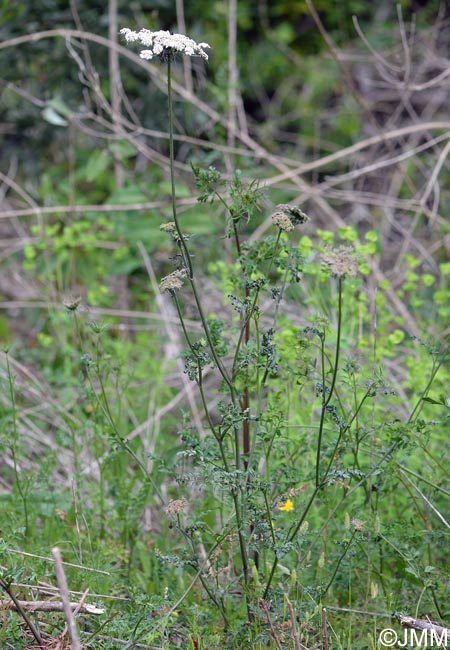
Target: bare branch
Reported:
point(49, 606)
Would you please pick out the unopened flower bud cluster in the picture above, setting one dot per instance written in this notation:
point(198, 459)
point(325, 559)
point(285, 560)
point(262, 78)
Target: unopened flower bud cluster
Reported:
point(168, 227)
point(176, 506)
point(173, 281)
point(287, 216)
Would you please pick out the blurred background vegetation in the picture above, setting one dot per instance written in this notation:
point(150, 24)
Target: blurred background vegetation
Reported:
point(289, 95)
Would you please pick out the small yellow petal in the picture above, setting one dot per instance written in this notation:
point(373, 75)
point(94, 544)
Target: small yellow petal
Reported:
point(287, 506)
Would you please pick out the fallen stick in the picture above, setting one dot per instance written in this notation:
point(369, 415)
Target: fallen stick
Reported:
point(49, 606)
point(419, 624)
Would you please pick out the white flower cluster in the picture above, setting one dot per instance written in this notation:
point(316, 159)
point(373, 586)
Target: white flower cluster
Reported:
point(163, 43)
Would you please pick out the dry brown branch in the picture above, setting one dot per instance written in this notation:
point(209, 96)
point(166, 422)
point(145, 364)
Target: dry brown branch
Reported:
point(121, 642)
point(382, 164)
point(298, 645)
point(419, 624)
point(94, 311)
point(49, 606)
point(325, 629)
point(273, 633)
point(362, 612)
point(77, 209)
point(49, 590)
point(359, 146)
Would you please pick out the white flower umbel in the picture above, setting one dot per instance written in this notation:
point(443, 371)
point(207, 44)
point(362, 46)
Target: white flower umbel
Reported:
point(164, 44)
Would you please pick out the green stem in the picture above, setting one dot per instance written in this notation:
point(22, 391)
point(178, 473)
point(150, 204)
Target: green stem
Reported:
point(326, 399)
point(275, 251)
point(33, 628)
point(183, 247)
point(205, 585)
point(217, 361)
point(290, 537)
point(344, 430)
point(434, 371)
point(338, 564)
point(188, 265)
point(184, 250)
point(244, 334)
point(242, 545)
point(103, 402)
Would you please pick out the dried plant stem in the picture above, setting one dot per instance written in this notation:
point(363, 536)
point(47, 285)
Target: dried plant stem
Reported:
point(273, 633)
point(419, 624)
point(48, 559)
point(325, 629)
point(48, 606)
point(298, 645)
point(64, 592)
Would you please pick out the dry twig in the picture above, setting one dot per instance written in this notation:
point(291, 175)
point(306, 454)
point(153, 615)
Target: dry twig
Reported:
point(48, 606)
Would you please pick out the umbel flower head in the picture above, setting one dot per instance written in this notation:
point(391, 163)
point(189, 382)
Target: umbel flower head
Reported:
point(340, 261)
point(168, 227)
point(287, 216)
point(173, 281)
point(164, 44)
point(176, 506)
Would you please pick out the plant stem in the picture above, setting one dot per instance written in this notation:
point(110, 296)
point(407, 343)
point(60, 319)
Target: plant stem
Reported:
point(218, 362)
point(326, 399)
point(338, 564)
point(184, 250)
point(33, 629)
point(188, 265)
point(436, 367)
point(290, 537)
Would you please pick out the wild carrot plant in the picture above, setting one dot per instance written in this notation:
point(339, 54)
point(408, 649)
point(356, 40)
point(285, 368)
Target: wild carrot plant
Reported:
point(293, 419)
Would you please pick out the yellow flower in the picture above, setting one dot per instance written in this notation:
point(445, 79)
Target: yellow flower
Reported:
point(287, 506)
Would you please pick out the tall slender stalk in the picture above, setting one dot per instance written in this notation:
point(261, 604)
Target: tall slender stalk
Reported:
point(187, 262)
point(327, 398)
point(184, 250)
